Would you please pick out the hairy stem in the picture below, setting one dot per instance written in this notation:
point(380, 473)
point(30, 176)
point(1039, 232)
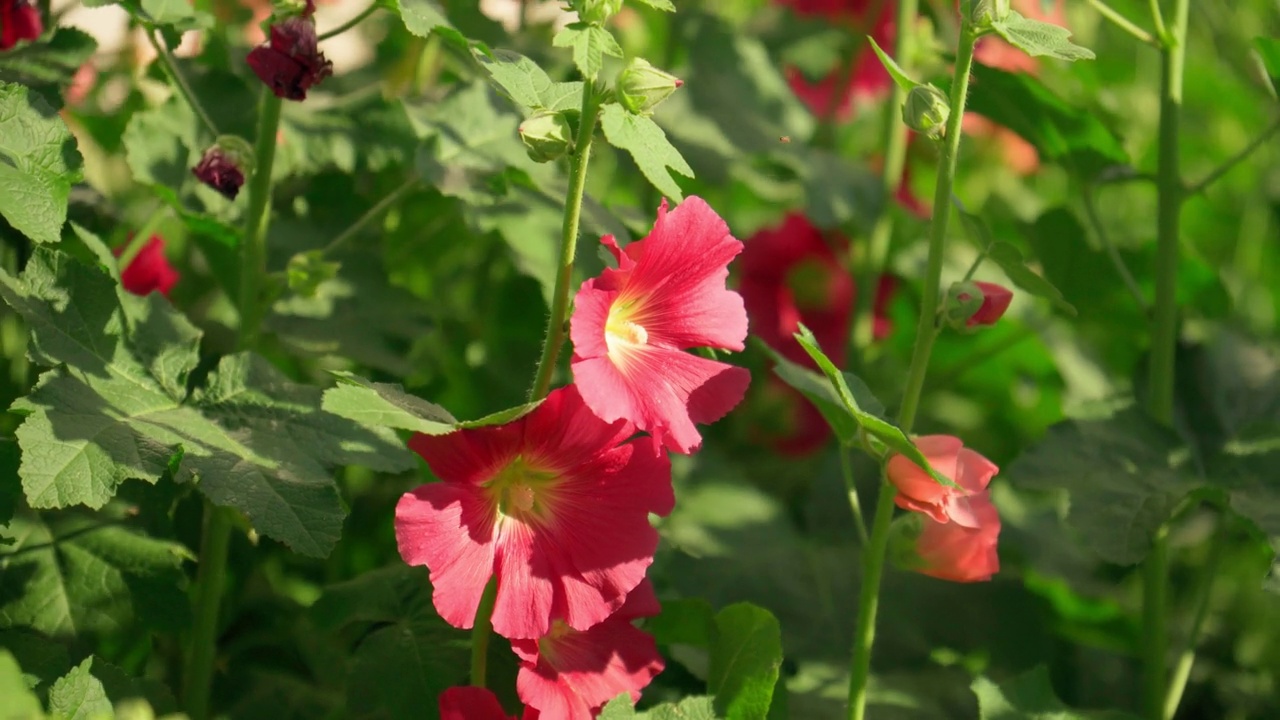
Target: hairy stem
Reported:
point(1124, 23)
point(180, 82)
point(855, 502)
point(1236, 159)
point(211, 577)
point(481, 631)
point(568, 243)
point(253, 258)
point(373, 7)
point(926, 333)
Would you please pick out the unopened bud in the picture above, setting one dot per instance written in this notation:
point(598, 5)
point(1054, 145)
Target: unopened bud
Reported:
point(225, 165)
point(642, 87)
point(983, 13)
point(970, 304)
point(926, 110)
point(546, 136)
point(596, 12)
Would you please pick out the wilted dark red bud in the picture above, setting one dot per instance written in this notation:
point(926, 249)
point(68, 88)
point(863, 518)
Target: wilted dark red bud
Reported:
point(221, 171)
point(995, 300)
point(19, 20)
point(291, 63)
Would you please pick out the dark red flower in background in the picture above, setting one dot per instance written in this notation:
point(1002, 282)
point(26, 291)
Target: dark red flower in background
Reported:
point(149, 270)
point(868, 79)
point(19, 20)
point(291, 63)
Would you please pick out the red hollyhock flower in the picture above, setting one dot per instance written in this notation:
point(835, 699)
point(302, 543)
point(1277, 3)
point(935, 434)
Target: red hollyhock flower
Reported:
point(149, 270)
point(630, 327)
point(19, 20)
point(554, 503)
point(571, 674)
point(291, 63)
point(950, 551)
point(472, 703)
point(920, 492)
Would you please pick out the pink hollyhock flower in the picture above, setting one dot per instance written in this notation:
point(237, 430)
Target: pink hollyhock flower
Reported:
point(630, 327)
point(472, 703)
point(149, 270)
point(19, 20)
point(950, 551)
point(554, 503)
point(918, 491)
point(995, 300)
point(571, 674)
point(868, 81)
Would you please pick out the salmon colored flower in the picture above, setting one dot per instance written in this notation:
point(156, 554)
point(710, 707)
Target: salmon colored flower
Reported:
point(149, 270)
point(571, 674)
point(918, 491)
point(472, 703)
point(19, 20)
point(631, 326)
point(554, 503)
point(950, 551)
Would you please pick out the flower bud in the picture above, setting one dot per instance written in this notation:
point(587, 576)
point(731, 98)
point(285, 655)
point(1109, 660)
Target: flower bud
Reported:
point(19, 20)
point(926, 110)
point(983, 13)
point(225, 164)
point(973, 303)
point(596, 12)
point(995, 300)
point(642, 87)
point(546, 136)
point(291, 62)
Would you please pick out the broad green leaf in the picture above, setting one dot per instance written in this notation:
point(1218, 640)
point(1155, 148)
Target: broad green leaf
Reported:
point(79, 695)
point(528, 85)
point(19, 702)
point(72, 577)
point(158, 144)
point(1120, 474)
point(501, 417)
point(43, 659)
point(178, 15)
point(1269, 50)
point(1029, 696)
point(51, 63)
point(39, 161)
point(1062, 133)
point(385, 405)
point(648, 146)
point(10, 484)
point(895, 71)
point(1010, 260)
point(663, 5)
point(590, 44)
point(1084, 275)
point(690, 708)
point(422, 16)
point(1035, 37)
point(814, 386)
point(746, 654)
point(862, 406)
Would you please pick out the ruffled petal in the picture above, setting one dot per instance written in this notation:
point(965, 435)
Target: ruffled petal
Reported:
point(471, 703)
point(449, 528)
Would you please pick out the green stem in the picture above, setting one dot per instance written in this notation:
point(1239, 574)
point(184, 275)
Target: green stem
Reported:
point(926, 333)
point(349, 24)
point(894, 140)
point(1187, 658)
point(370, 215)
point(568, 243)
point(855, 502)
point(253, 259)
point(197, 681)
point(1124, 23)
point(1236, 159)
point(1164, 336)
point(180, 82)
point(481, 631)
point(1157, 17)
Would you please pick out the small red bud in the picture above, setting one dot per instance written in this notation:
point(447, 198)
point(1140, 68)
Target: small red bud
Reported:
point(995, 300)
point(19, 20)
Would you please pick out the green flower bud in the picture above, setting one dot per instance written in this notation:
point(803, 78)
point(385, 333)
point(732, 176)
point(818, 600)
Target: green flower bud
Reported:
point(595, 12)
point(546, 136)
point(963, 301)
point(642, 87)
point(983, 13)
point(926, 110)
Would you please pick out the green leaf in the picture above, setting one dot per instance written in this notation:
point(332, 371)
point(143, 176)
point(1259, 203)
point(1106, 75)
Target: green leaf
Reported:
point(814, 386)
point(687, 621)
point(663, 5)
point(178, 15)
point(746, 654)
point(502, 417)
point(1269, 50)
point(895, 71)
point(51, 63)
point(39, 162)
point(422, 16)
point(158, 146)
point(1010, 260)
point(590, 44)
point(1061, 132)
point(43, 660)
point(690, 708)
point(648, 146)
point(528, 85)
point(1035, 37)
point(384, 405)
point(1120, 475)
point(79, 695)
point(20, 702)
point(76, 577)
point(1029, 696)
point(306, 271)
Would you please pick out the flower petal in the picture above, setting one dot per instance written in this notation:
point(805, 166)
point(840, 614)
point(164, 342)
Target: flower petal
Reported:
point(449, 528)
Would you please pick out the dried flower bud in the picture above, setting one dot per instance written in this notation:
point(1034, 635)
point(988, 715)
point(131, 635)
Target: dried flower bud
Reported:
point(596, 12)
point(225, 164)
point(291, 63)
point(546, 136)
point(926, 110)
point(19, 20)
point(642, 87)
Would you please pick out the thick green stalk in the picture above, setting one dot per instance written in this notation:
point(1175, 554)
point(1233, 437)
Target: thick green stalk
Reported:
point(481, 631)
point(253, 257)
point(926, 332)
point(568, 243)
point(1164, 337)
point(211, 577)
point(894, 140)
